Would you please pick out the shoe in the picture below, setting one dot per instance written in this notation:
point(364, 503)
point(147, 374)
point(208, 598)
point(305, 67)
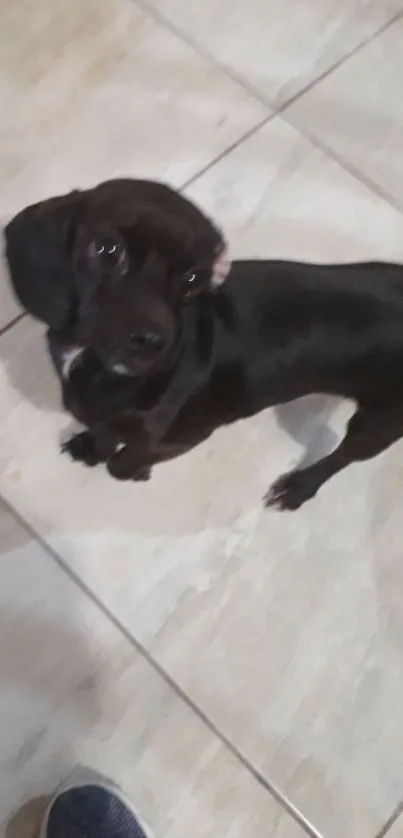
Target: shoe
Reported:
point(90, 806)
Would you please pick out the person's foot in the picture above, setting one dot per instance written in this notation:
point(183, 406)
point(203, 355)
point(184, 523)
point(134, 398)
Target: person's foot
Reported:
point(89, 806)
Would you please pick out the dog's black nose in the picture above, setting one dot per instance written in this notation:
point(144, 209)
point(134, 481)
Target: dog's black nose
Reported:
point(146, 340)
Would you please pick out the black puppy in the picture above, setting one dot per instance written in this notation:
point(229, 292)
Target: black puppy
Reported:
point(154, 353)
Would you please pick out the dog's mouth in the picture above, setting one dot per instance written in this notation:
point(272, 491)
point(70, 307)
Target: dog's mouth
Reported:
point(119, 368)
point(139, 358)
point(119, 364)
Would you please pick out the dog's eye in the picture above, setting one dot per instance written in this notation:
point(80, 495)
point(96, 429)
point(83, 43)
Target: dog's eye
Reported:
point(111, 252)
point(107, 248)
point(190, 282)
point(189, 278)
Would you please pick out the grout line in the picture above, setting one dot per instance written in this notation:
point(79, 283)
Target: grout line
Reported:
point(274, 111)
point(201, 50)
point(282, 109)
point(195, 177)
point(271, 788)
point(360, 46)
point(247, 764)
point(330, 152)
point(390, 822)
point(12, 323)
point(277, 110)
point(241, 80)
point(316, 142)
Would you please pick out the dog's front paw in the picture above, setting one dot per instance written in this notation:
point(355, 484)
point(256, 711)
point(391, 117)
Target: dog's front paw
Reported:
point(291, 490)
point(123, 466)
point(142, 474)
point(81, 447)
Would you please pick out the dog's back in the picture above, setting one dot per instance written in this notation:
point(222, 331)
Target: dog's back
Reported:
point(318, 328)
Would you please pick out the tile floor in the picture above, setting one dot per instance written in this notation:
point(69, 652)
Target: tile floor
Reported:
point(239, 671)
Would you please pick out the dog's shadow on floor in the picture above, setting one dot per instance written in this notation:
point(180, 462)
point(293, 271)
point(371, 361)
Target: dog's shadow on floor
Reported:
point(27, 365)
point(306, 420)
point(24, 355)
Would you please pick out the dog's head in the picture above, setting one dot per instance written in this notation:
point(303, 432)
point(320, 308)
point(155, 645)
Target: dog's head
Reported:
point(117, 265)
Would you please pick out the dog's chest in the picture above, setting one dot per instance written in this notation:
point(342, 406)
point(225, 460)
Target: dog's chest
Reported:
point(69, 355)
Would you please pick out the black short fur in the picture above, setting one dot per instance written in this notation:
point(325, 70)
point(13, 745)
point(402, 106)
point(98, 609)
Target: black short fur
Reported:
point(272, 332)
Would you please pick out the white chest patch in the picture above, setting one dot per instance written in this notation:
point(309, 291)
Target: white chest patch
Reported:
point(69, 356)
point(120, 369)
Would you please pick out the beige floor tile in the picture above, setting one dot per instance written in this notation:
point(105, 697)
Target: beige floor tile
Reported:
point(73, 689)
point(396, 830)
point(285, 628)
point(9, 308)
point(279, 196)
point(279, 47)
point(87, 93)
point(358, 111)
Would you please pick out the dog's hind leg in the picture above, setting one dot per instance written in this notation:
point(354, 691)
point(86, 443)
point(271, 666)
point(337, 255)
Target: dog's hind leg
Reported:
point(369, 432)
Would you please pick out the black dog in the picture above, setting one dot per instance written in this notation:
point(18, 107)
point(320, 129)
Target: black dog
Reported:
point(154, 352)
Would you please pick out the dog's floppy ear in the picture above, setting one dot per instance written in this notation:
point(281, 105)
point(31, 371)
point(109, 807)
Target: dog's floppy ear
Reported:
point(221, 267)
point(39, 241)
